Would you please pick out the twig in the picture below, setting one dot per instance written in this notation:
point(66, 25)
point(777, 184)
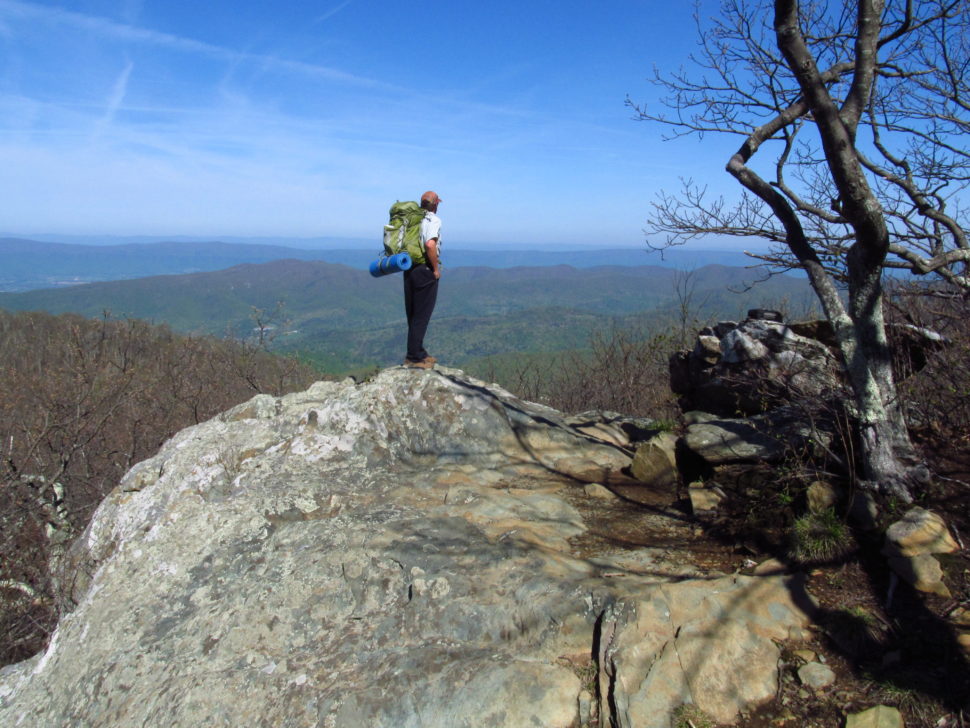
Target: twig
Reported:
point(952, 480)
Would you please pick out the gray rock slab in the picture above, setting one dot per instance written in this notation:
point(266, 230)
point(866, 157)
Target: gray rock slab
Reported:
point(394, 553)
point(759, 438)
point(731, 441)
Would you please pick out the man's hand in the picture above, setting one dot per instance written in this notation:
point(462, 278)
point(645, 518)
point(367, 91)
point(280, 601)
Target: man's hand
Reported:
point(432, 248)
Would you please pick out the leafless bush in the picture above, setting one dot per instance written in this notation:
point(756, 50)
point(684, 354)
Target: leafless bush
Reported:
point(621, 373)
point(930, 329)
point(83, 401)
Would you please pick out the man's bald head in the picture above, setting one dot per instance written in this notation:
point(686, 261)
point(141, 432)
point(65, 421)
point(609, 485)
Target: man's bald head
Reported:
point(430, 200)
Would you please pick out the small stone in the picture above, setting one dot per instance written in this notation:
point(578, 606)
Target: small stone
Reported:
point(708, 349)
point(963, 639)
point(805, 655)
point(881, 716)
point(755, 439)
point(595, 490)
point(816, 675)
point(821, 496)
point(799, 634)
point(738, 348)
point(961, 617)
point(919, 532)
point(765, 314)
point(770, 567)
point(655, 461)
point(923, 572)
point(704, 499)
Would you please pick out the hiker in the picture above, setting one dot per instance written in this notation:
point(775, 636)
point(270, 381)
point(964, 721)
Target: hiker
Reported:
point(421, 284)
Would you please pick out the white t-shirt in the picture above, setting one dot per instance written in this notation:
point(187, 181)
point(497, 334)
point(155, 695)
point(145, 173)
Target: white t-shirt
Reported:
point(430, 228)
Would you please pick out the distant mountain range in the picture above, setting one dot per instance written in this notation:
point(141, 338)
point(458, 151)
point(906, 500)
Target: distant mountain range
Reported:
point(30, 264)
point(344, 319)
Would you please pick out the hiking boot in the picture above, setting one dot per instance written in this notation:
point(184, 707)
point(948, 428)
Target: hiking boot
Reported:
point(423, 364)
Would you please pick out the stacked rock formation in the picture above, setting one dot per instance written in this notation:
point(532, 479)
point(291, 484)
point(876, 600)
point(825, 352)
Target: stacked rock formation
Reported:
point(740, 382)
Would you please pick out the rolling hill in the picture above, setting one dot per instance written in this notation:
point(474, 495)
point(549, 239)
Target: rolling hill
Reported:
point(30, 264)
point(345, 319)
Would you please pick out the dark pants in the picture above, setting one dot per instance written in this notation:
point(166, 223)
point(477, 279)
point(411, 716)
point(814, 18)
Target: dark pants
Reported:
point(420, 294)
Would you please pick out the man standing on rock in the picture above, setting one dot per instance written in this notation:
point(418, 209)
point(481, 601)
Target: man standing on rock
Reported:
point(421, 284)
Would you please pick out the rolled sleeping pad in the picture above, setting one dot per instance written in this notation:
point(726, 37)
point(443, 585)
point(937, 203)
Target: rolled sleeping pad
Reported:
point(390, 264)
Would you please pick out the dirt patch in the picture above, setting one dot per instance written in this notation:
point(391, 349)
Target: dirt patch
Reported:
point(634, 517)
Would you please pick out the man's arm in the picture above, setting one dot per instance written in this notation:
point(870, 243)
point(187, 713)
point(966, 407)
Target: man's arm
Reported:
point(432, 248)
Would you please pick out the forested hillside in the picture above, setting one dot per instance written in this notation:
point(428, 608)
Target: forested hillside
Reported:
point(343, 319)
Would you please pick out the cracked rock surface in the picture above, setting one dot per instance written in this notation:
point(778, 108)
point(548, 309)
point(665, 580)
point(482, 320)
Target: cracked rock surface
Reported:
point(411, 551)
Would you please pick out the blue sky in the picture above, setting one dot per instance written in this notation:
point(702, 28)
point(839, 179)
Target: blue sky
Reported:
point(249, 118)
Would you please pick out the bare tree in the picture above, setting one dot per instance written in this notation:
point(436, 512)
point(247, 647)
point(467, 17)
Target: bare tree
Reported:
point(853, 118)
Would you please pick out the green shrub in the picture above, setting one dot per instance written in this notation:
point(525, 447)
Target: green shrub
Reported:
point(819, 537)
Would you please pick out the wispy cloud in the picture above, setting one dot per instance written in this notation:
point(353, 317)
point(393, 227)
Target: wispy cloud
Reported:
point(199, 127)
point(107, 28)
point(333, 11)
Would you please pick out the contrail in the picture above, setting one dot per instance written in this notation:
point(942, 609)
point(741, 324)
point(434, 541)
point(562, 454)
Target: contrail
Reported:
point(114, 101)
point(332, 12)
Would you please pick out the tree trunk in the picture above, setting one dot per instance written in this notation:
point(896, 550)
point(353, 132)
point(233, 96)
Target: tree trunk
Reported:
point(888, 457)
point(889, 460)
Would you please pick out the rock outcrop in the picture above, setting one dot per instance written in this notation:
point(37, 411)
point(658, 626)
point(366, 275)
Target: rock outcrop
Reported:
point(750, 367)
point(753, 392)
point(411, 551)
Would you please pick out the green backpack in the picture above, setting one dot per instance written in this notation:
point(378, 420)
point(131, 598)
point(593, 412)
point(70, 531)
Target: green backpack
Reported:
point(402, 234)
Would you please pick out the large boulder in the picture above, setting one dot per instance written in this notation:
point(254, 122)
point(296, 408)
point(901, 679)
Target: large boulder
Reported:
point(402, 552)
